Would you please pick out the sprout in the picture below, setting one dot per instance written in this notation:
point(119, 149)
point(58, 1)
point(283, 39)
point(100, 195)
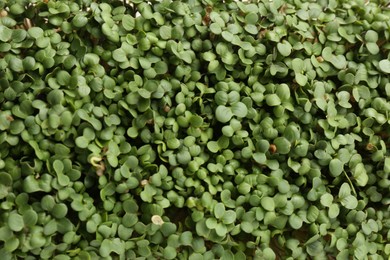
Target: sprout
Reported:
point(255, 127)
point(97, 162)
point(144, 182)
point(3, 13)
point(157, 220)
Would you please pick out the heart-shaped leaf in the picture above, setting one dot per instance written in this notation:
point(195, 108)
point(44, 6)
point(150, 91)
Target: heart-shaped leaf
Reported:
point(384, 65)
point(239, 109)
point(223, 114)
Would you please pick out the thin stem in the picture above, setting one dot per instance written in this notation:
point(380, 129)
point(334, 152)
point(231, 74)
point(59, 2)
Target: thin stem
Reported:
point(350, 182)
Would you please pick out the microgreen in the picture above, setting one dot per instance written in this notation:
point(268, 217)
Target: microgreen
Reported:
point(194, 129)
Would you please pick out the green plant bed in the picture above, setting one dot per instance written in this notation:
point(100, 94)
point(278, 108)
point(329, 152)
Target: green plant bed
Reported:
point(194, 129)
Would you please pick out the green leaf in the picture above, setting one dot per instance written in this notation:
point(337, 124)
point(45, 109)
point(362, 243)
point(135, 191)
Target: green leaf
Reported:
point(384, 66)
point(372, 47)
point(291, 133)
point(223, 114)
point(79, 20)
point(59, 211)
point(260, 158)
point(186, 56)
point(252, 29)
point(111, 34)
point(387, 249)
point(112, 119)
point(315, 248)
point(244, 188)
point(234, 28)
point(228, 131)
point(82, 142)
point(63, 77)
point(234, 97)
point(165, 32)
point(55, 97)
point(268, 203)
point(213, 66)
point(343, 33)
point(148, 193)
point(251, 18)
point(221, 98)
point(43, 42)
point(272, 100)
point(5, 47)
point(345, 190)
point(167, 228)
point(5, 232)
point(209, 56)
point(213, 146)
point(227, 36)
point(312, 213)
point(295, 221)
point(5, 33)
point(169, 252)
point(11, 244)
point(327, 53)
point(35, 32)
point(15, 221)
point(221, 230)
point(298, 65)
point(119, 55)
point(247, 227)
point(183, 157)
point(145, 10)
point(239, 109)
point(350, 202)
point(336, 167)
point(229, 217)
point(326, 199)
point(283, 146)
point(144, 93)
point(215, 28)
point(360, 175)
point(150, 73)
point(130, 206)
point(63, 180)
point(386, 166)
point(16, 64)
point(91, 59)
point(128, 22)
point(301, 79)
point(196, 121)
point(159, 18)
point(334, 210)
point(47, 202)
point(228, 255)
point(338, 61)
point(18, 35)
point(16, 8)
point(58, 166)
point(186, 238)
point(211, 223)
point(69, 62)
point(173, 143)
point(50, 228)
point(371, 36)
point(105, 248)
point(284, 48)
point(161, 67)
point(144, 62)
point(219, 210)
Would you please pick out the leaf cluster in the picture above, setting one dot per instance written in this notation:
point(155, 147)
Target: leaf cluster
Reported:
point(194, 129)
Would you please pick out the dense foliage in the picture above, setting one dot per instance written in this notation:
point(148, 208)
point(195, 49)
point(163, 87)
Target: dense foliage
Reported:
point(194, 129)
